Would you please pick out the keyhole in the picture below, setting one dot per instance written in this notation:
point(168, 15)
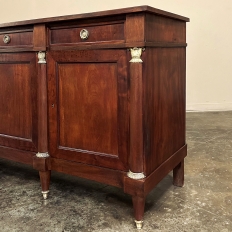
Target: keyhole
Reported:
point(52, 105)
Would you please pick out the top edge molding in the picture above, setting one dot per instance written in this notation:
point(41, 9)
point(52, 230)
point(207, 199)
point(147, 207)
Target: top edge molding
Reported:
point(129, 10)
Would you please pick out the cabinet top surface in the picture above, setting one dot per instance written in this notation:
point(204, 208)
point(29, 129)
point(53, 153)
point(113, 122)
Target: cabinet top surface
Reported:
point(130, 10)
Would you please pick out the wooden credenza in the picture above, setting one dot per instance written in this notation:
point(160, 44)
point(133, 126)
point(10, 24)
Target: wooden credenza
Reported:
point(98, 95)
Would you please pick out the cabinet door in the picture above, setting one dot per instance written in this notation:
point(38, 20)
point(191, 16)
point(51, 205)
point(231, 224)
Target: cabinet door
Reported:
point(88, 107)
point(18, 101)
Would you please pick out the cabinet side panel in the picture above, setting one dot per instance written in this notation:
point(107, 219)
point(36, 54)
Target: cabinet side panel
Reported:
point(160, 29)
point(164, 105)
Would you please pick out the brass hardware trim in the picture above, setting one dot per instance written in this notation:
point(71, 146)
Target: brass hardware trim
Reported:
point(84, 34)
point(136, 176)
point(41, 57)
point(42, 155)
point(136, 55)
point(6, 39)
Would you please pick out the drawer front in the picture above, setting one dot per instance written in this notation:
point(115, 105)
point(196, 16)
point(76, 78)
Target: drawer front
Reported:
point(16, 39)
point(93, 33)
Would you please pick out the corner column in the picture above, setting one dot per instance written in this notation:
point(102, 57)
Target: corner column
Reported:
point(136, 116)
point(136, 159)
point(41, 161)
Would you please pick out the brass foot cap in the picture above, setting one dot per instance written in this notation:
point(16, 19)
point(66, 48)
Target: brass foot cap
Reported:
point(139, 224)
point(45, 194)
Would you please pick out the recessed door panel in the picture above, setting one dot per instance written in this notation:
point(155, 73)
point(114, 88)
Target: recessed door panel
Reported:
point(88, 106)
point(18, 101)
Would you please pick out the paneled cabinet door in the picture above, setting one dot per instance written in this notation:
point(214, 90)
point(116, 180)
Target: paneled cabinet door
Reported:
point(18, 101)
point(88, 107)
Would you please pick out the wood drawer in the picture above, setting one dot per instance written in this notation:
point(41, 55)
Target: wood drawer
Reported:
point(16, 39)
point(96, 34)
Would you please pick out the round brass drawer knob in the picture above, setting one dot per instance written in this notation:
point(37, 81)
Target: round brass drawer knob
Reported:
point(6, 39)
point(84, 34)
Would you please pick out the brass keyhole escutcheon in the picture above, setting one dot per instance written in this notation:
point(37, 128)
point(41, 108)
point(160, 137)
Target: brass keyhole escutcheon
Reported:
point(84, 34)
point(6, 39)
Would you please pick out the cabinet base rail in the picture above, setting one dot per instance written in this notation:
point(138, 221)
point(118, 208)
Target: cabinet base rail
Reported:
point(138, 189)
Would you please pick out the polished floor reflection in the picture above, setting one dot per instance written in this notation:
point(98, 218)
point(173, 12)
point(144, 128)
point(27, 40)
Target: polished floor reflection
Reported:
point(203, 204)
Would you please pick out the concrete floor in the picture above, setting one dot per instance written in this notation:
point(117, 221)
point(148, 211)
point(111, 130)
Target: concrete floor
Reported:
point(203, 204)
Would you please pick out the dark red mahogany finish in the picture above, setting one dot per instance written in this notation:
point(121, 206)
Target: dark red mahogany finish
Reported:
point(109, 107)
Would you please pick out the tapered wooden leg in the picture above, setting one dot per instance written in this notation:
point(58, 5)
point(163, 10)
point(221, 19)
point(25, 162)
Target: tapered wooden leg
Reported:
point(138, 204)
point(45, 182)
point(178, 174)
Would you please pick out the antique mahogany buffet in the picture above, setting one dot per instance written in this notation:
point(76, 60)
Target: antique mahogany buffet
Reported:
point(97, 95)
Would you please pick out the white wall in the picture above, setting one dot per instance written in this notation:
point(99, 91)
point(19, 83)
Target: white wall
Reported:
point(209, 37)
